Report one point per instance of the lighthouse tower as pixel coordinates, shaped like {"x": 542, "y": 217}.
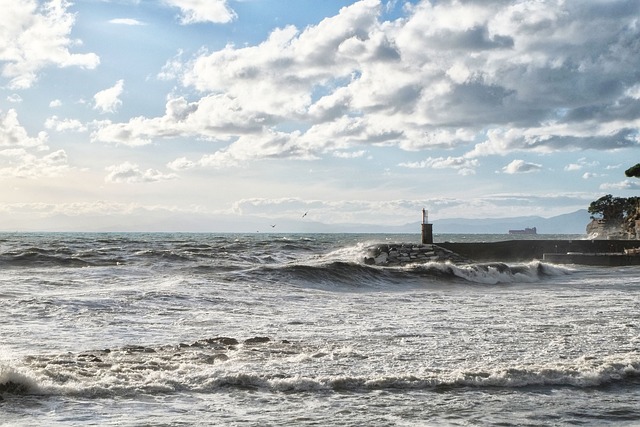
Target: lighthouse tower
{"x": 427, "y": 229}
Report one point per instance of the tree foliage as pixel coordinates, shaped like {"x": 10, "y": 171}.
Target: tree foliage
{"x": 614, "y": 210}
{"x": 618, "y": 212}
{"x": 633, "y": 171}
{"x": 608, "y": 208}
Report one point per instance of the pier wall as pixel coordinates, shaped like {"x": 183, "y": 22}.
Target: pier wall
{"x": 608, "y": 260}
{"x": 526, "y": 250}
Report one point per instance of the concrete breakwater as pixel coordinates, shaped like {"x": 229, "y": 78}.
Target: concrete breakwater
{"x": 527, "y": 250}
{"x": 396, "y": 254}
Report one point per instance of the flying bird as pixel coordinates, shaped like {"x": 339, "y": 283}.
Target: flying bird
{"x": 273, "y": 226}
{"x": 305, "y": 214}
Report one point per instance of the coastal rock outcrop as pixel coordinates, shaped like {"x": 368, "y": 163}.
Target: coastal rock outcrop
{"x": 397, "y": 254}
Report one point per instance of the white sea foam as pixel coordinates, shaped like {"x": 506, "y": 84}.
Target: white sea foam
{"x": 353, "y": 253}
{"x": 494, "y": 273}
{"x": 14, "y": 381}
{"x": 270, "y": 368}
{"x": 437, "y": 342}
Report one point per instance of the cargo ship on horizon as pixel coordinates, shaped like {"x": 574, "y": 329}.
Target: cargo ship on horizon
{"x": 527, "y": 230}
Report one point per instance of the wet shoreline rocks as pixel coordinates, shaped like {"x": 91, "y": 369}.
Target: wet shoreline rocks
{"x": 397, "y": 254}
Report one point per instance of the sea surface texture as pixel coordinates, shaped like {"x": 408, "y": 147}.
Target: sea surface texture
{"x": 295, "y": 330}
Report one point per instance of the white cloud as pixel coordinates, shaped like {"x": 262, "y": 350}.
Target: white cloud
{"x": 279, "y": 74}
{"x": 350, "y": 155}
{"x": 633, "y": 92}
{"x": 136, "y": 216}
{"x": 463, "y": 165}
{"x": 21, "y": 155}
{"x": 393, "y": 212}
{"x": 270, "y": 145}
{"x": 215, "y": 117}
{"x": 622, "y": 185}
{"x": 64, "y": 125}
{"x": 401, "y": 211}
{"x": 552, "y": 137}
{"x": 12, "y": 134}
{"x": 520, "y": 166}
{"x": 20, "y": 163}
{"x": 35, "y": 35}
{"x": 493, "y": 77}
{"x": 55, "y": 103}
{"x": 100, "y": 215}
{"x": 580, "y": 164}
{"x": 194, "y": 11}
{"x": 14, "y": 98}
{"x": 590, "y": 175}
{"x": 130, "y": 173}
{"x": 436, "y": 138}
{"x": 90, "y": 209}
{"x": 108, "y": 100}
{"x": 173, "y": 68}
{"x": 181, "y": 164}
{"x": 126, "y": 21}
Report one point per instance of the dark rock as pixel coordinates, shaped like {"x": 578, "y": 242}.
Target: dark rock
{"x": 140, "y": 349}
{"x": 13, "y": 388}
{"x": 257, "y": 340}
{"x": 216, "y": 358}
{"x": 226, "y": 340}
{"x": 213, "y": 342}
{"x": 397, "y": 254}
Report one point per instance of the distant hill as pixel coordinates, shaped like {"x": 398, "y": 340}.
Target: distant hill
{"x": 149, "y": 221}
{"x": 571, "y": 223}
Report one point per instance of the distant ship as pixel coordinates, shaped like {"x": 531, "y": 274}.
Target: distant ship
{"x": 525, "y": 231}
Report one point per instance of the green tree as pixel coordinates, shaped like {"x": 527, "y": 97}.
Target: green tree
{"x": 633, "y": 171}
{"x": 631, "y": 206}
{"x": 608, "y": 208}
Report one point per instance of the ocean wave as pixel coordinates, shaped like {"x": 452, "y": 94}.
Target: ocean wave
{"x": 214, "y": 365}
{"x": 159, "y": 252}
{"x": 261, "y": 363}
{"x": 305, "y": 262}
{"x": 14, "y": 382}
{"x": 346, "y": 267}
{"x": 30, "y": 257}
{"x": 60, "y": 257}
{"x": 343, "y": 274}
{"x": 509, "y": 378}
{"x": 496, "y": 273}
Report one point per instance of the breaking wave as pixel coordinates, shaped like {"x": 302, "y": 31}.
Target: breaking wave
{"x": 358, "y": 275}
{"x": 219, "y": 364}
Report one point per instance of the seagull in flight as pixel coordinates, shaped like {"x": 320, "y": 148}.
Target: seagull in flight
{"x": 305, "y": 214}
{"x": 273, "y": 226}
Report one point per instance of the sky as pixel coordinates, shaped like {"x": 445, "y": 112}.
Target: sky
{"x": 243, "y": 115}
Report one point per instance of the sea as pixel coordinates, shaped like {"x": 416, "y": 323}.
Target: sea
{"x": 163, "y": 329}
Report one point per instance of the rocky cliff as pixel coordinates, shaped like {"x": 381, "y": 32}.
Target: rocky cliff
{"x": 629, "y": 228}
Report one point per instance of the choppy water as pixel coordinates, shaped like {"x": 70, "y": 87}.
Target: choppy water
{"x": 196, "y": 329}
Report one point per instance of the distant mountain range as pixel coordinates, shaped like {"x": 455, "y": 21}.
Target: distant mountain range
{"x": 571, "y": 223}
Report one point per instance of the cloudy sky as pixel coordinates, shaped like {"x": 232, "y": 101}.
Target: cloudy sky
{"x": 235, "y": 115}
